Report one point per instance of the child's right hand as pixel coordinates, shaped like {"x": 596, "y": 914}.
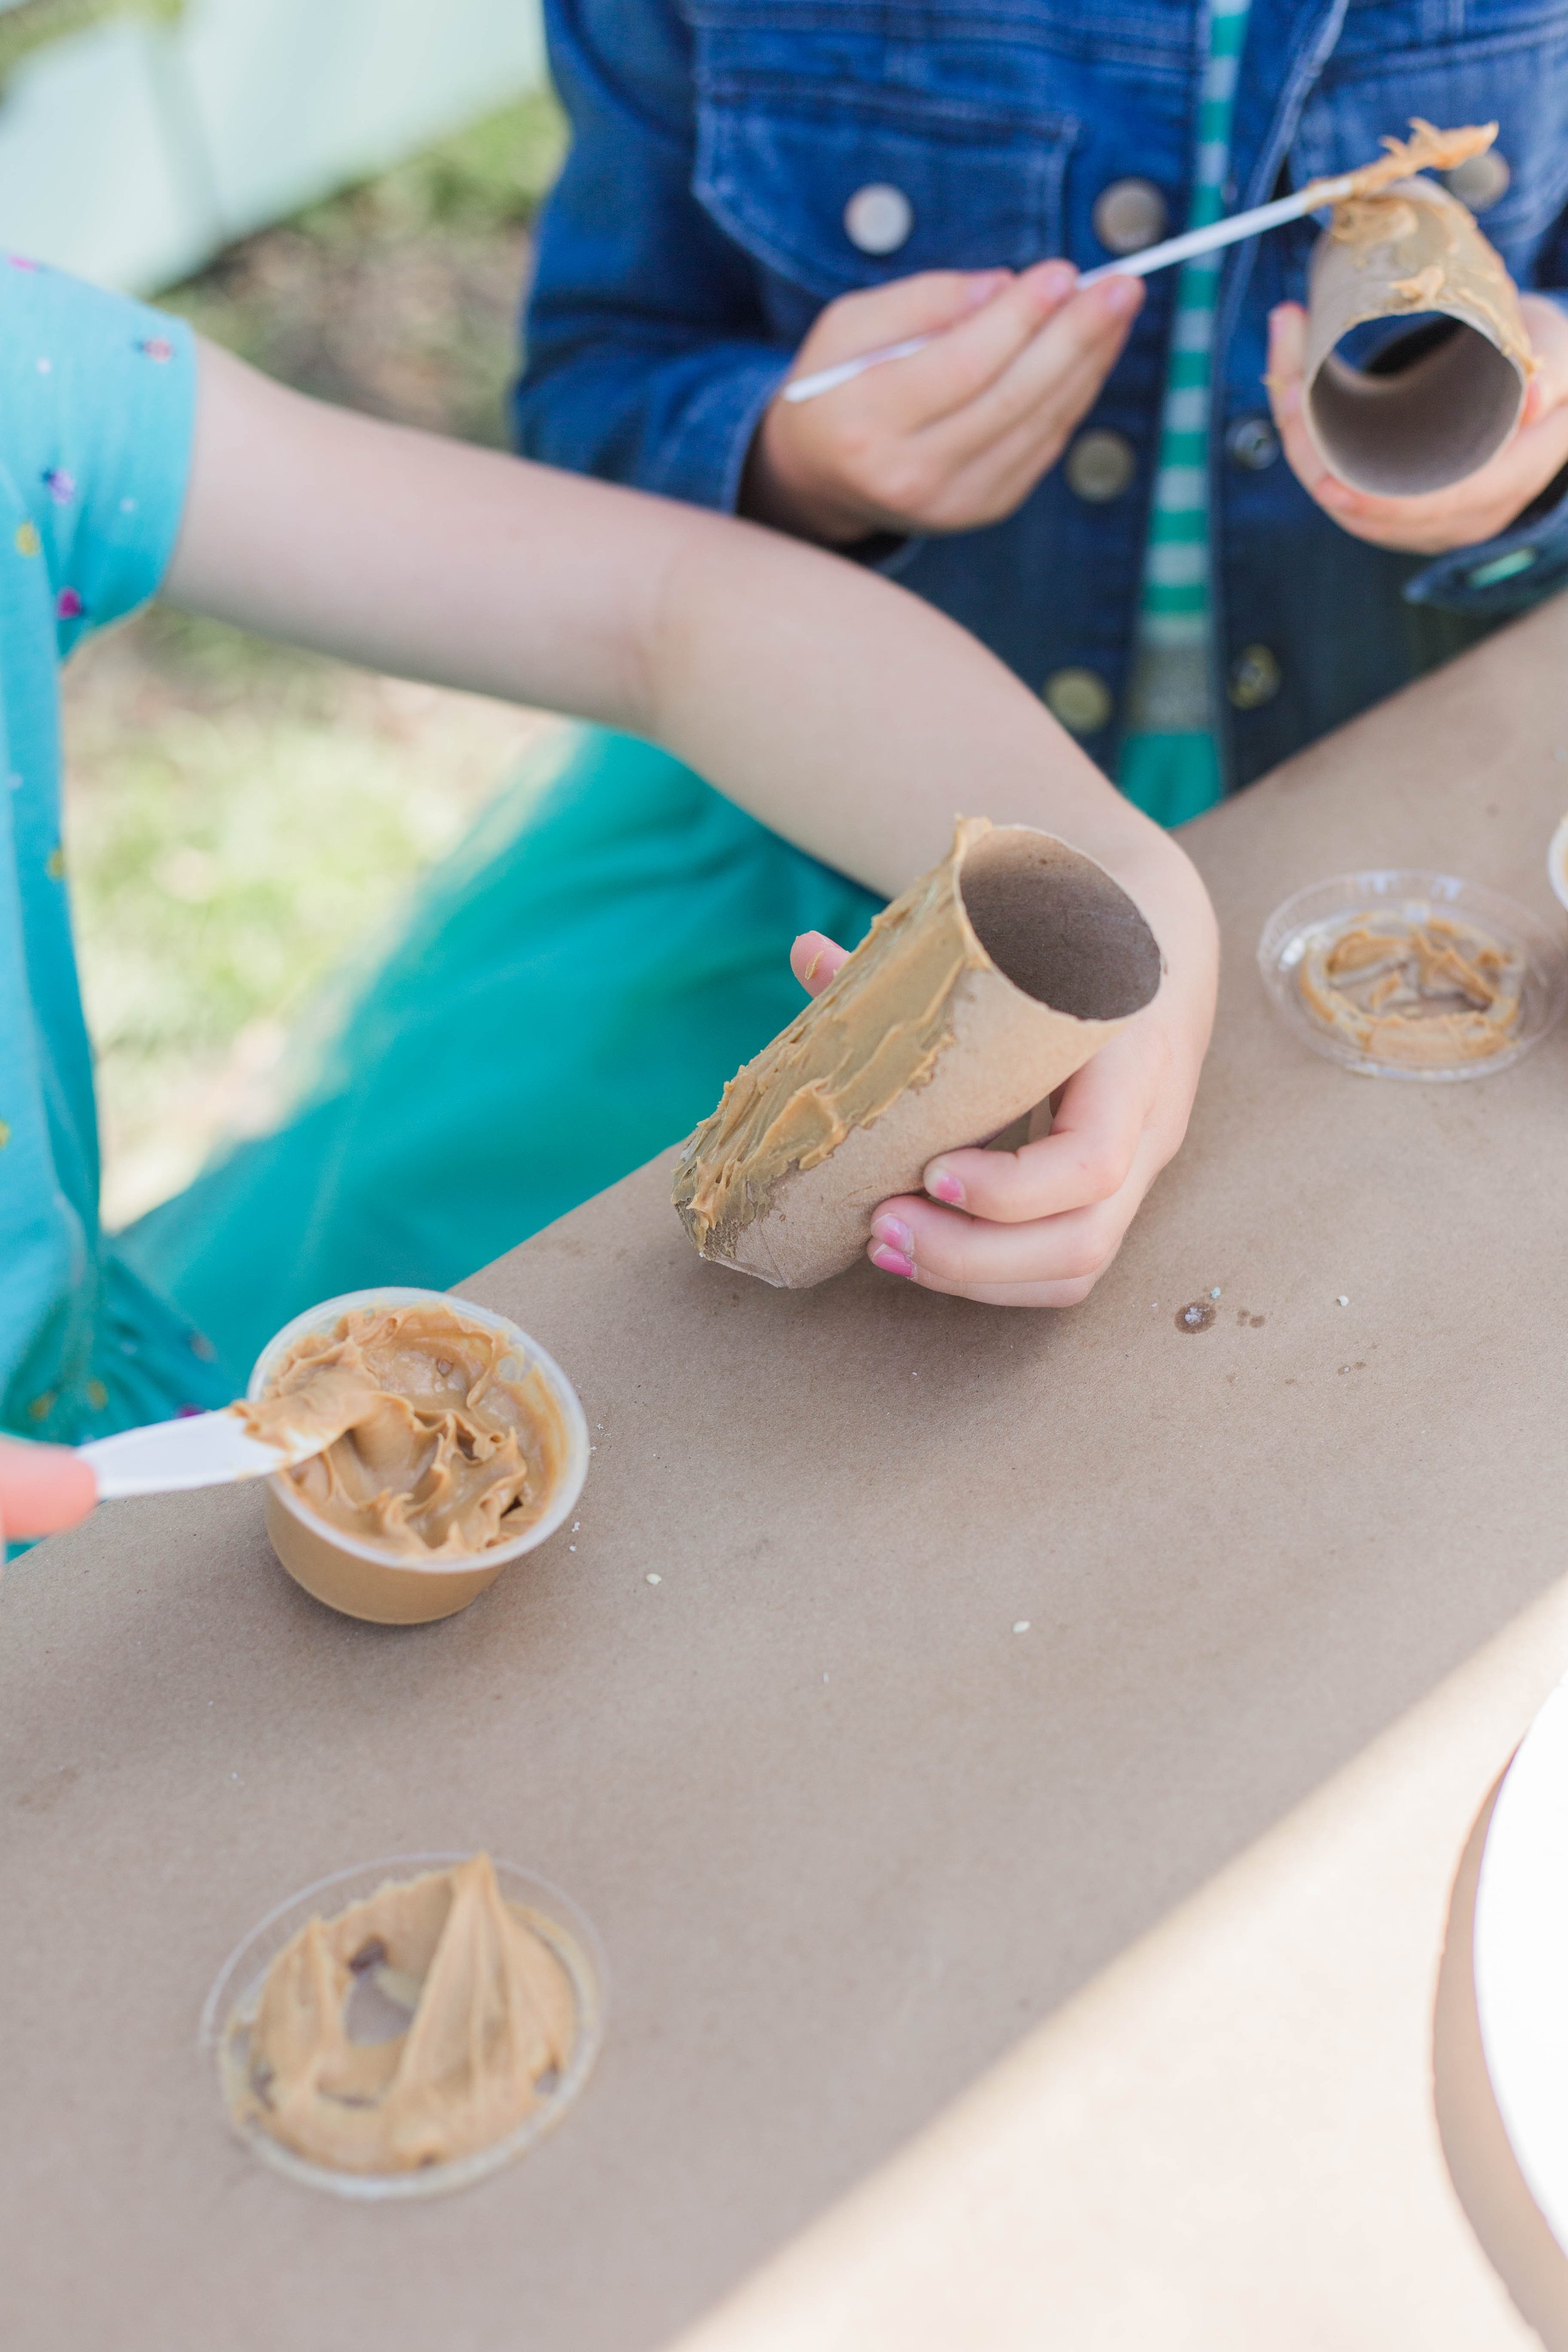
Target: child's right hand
{"x": 1038, "y": 1226}
{"x": 42, "y": 1489}
{"x": 956, "y": 435}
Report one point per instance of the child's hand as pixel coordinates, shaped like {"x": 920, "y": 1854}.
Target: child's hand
{"x": 1039, "y": 1226}
{"x": 1472, "y": 511}
{"x": 42, "y": 1489}
{"x": 956, "y": 436}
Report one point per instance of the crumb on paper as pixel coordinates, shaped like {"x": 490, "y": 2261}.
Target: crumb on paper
{"x": 1215, "y": 1293}
{"x": 653, "y": 1577}
{"x": 1022, "y": 1626}
{"x": 1343, "y": 1300}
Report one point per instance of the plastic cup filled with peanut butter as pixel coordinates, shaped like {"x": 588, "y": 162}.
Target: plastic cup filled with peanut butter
{"x": 461, "y": 1445}
{"x": 406, "y": 2026}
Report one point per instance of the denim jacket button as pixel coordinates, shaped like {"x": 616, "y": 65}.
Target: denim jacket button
{"x": 1252, "y": 443}
{"x": 1100, "y": 465}
{"x": 1255, "y": 678}
{"x": 1079, "y": 698}
{"x": 879, "y": 217}
{"x": 1481, "y": 181}
{"x": 1130, "y": 215}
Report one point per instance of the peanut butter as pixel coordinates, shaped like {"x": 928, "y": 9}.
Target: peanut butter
{"x": 432, "y": 1454}
{"x": 492, "y": 2015}
{"x": 1448, "y": 264}
{"x": 876, "y": 1031}
{"x": 1427, "y": 149}
{"x": 1424, "y": 995}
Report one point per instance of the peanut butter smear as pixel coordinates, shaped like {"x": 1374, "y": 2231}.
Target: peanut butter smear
{"x": 492, "y": 2013}
{"x": 877, "y": 1029}
{"x": 1425, "y": 996}
{"x": 1449, "y": 264}
{"x": 432, "y": 1454}
{"x": 1427, "y": 149}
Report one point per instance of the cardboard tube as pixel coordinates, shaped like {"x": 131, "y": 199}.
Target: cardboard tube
{"x": 972, "y": 996}
{"x": 1410, "y": 251}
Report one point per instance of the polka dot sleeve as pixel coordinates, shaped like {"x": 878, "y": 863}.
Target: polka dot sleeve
{"x": 99, "y": 396}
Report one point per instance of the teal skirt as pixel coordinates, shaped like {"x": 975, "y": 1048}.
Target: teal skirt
{"x": 572, "y": 987}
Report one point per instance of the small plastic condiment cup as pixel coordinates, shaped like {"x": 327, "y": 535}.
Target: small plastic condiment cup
{"x": 231, "y": 2008}
{"x": 1325, "y": 907}
{"x": 371, "y": 1580}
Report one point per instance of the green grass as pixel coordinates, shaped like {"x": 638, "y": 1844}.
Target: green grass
{"x": 244, "y": 821}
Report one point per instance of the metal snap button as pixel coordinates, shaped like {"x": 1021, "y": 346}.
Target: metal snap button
{"x": 1256, "y": 678}
{"x": 1130, "y": 215}
{"x": 1100, "y": 465}
{"x": 879, "y": 217}
{"x": 1079, "y": 698}
{"x": 1252, "y": 443}
{"x": 1479, "y": 182}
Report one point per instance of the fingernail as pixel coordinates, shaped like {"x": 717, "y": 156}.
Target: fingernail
{"x": 892, "y": 1261}
{"x": 943, "y": 1185}
{"x": 985, "y": 284}
{"x": 886, "y": 1227}
{"x": 1120, "y": 296}
{"x": 1055, "y": 278}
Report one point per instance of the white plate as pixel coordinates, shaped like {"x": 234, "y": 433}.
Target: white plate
{"x": 1521, "y": 1958}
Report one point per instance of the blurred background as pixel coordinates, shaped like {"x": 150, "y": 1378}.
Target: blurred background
{"x": 341, "y": 191}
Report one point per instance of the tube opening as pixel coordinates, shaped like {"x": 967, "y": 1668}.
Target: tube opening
{"x": 1423, "y": 412}
{"x": 1058, "y": 927}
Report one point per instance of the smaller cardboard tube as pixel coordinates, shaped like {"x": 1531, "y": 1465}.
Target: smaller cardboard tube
{"x": 1404, "y": 431}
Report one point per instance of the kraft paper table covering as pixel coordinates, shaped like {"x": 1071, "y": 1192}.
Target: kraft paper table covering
{"x": 1165, "y": 1876}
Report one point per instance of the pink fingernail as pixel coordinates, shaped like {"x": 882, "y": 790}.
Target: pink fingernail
{"x": 1120, "y": 296}
{"x": 892, "y": 1261}
{"x": 943, "y": 1185}
{"x": 886, "y": 1227}
{"x": 985, "y": 284}
{"x": 1058, "y": 277}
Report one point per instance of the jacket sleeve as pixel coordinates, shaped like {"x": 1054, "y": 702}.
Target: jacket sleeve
{"x": 1521, "y": 567}
{"x": 648, "y": 360}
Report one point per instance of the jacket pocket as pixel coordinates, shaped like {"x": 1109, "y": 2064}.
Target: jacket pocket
{"x": 1508, "y": 63}
{"x": 779, "y": 158}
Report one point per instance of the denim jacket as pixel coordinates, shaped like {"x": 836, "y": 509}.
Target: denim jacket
{"x": 699, "y": 225}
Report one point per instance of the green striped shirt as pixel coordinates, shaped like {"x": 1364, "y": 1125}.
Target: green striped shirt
{"x": 1170, "y": 758}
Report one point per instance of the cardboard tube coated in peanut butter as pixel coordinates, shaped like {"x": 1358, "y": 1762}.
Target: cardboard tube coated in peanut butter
{"x": 973, "y": 995}
{"x": 1409, "y": 251}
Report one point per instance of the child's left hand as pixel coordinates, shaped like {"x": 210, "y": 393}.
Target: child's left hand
{"x": 1039, "y": 1226}
{"x": 1468, "y": 513}
{"x": 42, "y": 1489}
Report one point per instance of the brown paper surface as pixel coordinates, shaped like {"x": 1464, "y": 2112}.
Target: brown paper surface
{"x": 854, "y": 1846}
{"x": 1412, "y": 251}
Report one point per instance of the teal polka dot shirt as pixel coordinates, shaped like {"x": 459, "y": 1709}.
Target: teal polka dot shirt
{"x": 97, "y": 399}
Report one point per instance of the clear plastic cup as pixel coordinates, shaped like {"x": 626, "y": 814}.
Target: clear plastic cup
{"x": 230, "y": 2012}
{"x": 1325, "y": 907}
{"x": 371, "y": 1580}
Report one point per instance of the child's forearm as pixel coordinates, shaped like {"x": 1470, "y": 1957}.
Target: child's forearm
{"x": 844, "y": 713}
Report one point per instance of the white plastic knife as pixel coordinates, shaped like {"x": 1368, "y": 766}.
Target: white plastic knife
{"x": 200, "y": 1449}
